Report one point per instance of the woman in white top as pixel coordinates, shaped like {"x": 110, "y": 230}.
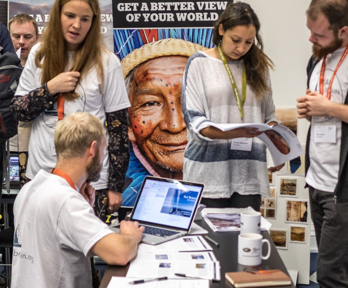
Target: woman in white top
{"x": 229, "y": 84}
{"x": 69, "y": 71}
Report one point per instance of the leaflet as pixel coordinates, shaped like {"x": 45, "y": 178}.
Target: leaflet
{"x": 282, "y": 143}
{"x": 182, "y": 244}
{"x": 193, "y": 264}
{"x": 123, "y": 282}
{"x": 228, "y": 219}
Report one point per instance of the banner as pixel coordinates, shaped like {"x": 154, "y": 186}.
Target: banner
{"x": 154, "y": 41}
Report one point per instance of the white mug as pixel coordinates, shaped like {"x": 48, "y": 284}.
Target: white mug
{"x": 250, "y": 249}
{"x": 250, "y": 222}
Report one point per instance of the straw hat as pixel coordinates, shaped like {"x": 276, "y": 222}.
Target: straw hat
{"x": 165, "y": 47}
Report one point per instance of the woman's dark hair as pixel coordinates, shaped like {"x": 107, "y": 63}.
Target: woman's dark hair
{"x": 256, "y": 62}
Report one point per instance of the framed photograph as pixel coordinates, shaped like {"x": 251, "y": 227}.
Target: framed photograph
{"x": 270, "y": 203}
{"x": 279, "y": 237}
{"x": 262, "y": 202}
{"x": 288, "y": 187}
{"x": 297, "y": 211}
{"x": 270, "y": 177}
{"x": 272, "y": 192}
{"x": 262, "y": 211}
{"x": 270, "y": 213}
{"x": 298, "y": 234}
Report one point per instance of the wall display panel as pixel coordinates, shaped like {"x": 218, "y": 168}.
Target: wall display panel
{"x": 164, "y": 34}
{"x": 40, "y": 10}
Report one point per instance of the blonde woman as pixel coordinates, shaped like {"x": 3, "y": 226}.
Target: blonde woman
{"x": 69, "y": 71}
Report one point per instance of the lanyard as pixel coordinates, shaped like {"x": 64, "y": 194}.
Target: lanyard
{"x": 60, "y": 107}
{"x": 322, "y": 74}
{"x": 65, "y": 176}
{"x": 240, "y": 103}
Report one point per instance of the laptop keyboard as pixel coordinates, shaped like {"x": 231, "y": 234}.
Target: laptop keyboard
{"x": 159, "y": 231}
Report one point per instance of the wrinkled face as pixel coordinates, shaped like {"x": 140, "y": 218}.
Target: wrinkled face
{"x": 278, "y": 141}
{"x": 76, "y": 18}
{"x": 23, "y": 36}
{"x": 95, "y": 166}
{"x": 157, "y": 123}
{"x": 236, "y": 42}
{"x": 325, "y": 40}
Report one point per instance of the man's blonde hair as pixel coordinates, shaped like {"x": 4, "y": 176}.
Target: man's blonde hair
{"x": 75, "y": 133}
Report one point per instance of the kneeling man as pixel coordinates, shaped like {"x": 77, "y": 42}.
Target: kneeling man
{"x": 56, "y": 230}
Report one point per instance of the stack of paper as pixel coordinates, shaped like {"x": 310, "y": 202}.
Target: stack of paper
{"x": 190, "y": 255}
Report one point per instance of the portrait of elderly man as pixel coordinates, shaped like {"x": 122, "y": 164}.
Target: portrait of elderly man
{"x": 157, "y": 131}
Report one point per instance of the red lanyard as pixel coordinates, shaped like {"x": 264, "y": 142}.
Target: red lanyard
{"x": 60, "y": 107}
{"x": 322, "y": 74}
{"x": 65, "y": 176}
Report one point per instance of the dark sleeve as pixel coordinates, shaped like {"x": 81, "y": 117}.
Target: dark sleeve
{"x": 28, "y": 107}
{"x": 117, "y": 126}
{"x": 310, "y": 66}
{"x": 5, "y": 40}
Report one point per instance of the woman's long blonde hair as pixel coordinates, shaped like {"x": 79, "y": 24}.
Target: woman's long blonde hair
{"x": 52, "y": 56}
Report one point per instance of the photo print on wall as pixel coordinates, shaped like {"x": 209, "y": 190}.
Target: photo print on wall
{"x": 279, "y": 237}
{"x": 288, "y": 187}
{"x": 296, "y": 211}
{"x": 298, "y": 234}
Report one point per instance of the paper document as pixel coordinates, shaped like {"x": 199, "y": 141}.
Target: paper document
{"x": 117, "y": 282}
{"x": 183, "y": 244}
{"x": 228, "y": 219}
{"x": 165, "y": 267}
{"x": 280, "y": 140}
{"x": 18, "y": 53}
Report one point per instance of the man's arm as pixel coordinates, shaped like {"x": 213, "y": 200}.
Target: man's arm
{"x": 118, "y": 155}
{"x": 119, "y": 249}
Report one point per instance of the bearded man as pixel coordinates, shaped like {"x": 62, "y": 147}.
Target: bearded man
{"x": 325, "y": 105}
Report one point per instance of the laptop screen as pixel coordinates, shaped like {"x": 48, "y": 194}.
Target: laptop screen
{"x": 167, "y": 202}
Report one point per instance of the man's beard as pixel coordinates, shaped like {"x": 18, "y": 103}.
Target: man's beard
{"x": 94, "y": 167}
{"x": 320, "y": 51}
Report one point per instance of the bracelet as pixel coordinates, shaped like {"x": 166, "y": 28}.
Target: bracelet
{"x": 46, "y": 89}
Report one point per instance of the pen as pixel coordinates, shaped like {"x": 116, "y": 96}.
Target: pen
{"x": 147, "y": 280}
{"x": 191, "y": 276}
{"x": 212, "y": 241}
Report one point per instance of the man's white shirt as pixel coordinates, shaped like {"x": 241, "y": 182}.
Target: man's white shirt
{"x": 55, "y": 228}
{"x": 326, "y": 132}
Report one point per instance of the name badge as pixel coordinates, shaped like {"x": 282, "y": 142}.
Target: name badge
{"x": 325, "y": 134}
{"x": 53, "y": 148}
{"x": 243, "y": 144}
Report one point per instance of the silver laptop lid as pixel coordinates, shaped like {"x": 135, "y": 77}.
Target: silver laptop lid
{"x": 167, "y": 203}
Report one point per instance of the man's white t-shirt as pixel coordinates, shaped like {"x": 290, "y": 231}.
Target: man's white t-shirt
{"x": 55, "y": 228}
{"x": 325, "y": 156}
{"x": 94, "y": 97}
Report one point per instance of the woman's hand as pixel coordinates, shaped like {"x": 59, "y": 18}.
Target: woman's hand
{"x": 276, "y": 168}
{"x": 64, "y": 82}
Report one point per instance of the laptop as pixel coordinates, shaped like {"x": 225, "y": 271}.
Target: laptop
{"x": 166, "y": 208}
